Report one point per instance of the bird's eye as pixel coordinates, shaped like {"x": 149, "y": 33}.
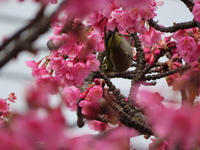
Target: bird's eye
{"x": 105, "y": 66}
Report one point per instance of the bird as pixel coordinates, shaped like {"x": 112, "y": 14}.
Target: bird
{"x": 118, "y": 51}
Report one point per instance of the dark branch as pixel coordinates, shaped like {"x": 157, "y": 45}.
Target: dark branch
{"x": 40, "y": 25}
{"x": 20, "y": 31}
{"x": 164, "y": 74}
{"x": 174, "y": 28}
{"x": 189, "y": 4}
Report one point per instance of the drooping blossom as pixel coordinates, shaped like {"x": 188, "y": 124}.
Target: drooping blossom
{"x": 188, "y": 49}
{"x": 32, "y": 64}
{"x": 4, "y": 107}
{"x": 71, "y": 96}
{"x": 91, "y": 102}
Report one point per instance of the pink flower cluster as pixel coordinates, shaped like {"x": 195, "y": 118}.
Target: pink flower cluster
{"x": 5, "y": 114}
{"x": 171, "y": 78}
{"x": 91, "y": 100}
{"x": 150, "y": 55}
{"x": 125, "y": 15}
{"x": 45, "y": 127}
{"x": 70, "y": 96}
{"x": 180, "y": 128}
{"x": 150, "y": 37}
{"x": 73, "y": 60}
{"x": 176, "y": 128}
{"x": 188, "y": 82}
{"x": 188, "y": 44}
{"x": 4, "y": 104}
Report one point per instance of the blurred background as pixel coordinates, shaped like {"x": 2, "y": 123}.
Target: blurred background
{"x": 15, "y": 75}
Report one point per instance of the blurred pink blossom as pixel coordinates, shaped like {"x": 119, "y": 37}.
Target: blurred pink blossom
{"x": 188, "y": 49}
{"x": 4, "y": 107}
{"x": 12, "y": 97}
{"x": 99, "y": 126}
{"x": 196, "y": 11}
{"x": 71, "y": 96}
{"x": 41, "y": 129}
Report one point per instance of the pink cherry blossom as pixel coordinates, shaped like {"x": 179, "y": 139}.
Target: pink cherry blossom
{"x": 71, "y": 96}
{"x": 81, "y": 141}
{"x": 179, "y": 34}
{"x": 11, "y": 140}
{"x": 57, "y": 63}
{"x": 39, "y": 72}
{"x": 94, "y": 94}
{"x": 80, "y": 9}
{"x": 99, "y": 126}
{"x": 4, "y": 107}
{"x": 91, "y": 103}
{"x": 108, "y": 141}
{"x": 150, "y": 55}
{"x": 149, "y": 100}
{"x": 92, "y": 62}
{"x": 96, "y": 40}
{"x": 39, "y": 128}
{"x": 128, "y": 4}
{"x": 132, "y": 19}
{"x": 58, "y": 40}
{"x": 89, "y": 110}
{"x": 112, "y": 140}
{"x": 188, "y": 49}
{"x": 37, "y": 97}
{"x": 180, "y": 128}
{"x": 12, "y": 97}
{"x": 81, "y": 71}
{"x": 196, "y": 11}
{"x": 150, "y": 37}
{"x": 69, "y": 49}
{"x": 162, "y": 146}
{"x": 48, "y": 82}
{"x": 32, "y": 64}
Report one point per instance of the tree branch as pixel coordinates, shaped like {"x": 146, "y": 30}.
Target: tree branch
{"x": 174, "y": 28}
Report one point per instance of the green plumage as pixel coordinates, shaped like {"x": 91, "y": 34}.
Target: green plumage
{"x": 119, "y": 55}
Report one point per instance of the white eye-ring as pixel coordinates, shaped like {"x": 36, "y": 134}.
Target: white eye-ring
{"x": 105, "y": 66}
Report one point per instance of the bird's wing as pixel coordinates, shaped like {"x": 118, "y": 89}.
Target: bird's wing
{"x": 126, "y": 48}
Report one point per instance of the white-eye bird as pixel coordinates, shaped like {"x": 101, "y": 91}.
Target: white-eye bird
{"x": 119, "y": 54}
